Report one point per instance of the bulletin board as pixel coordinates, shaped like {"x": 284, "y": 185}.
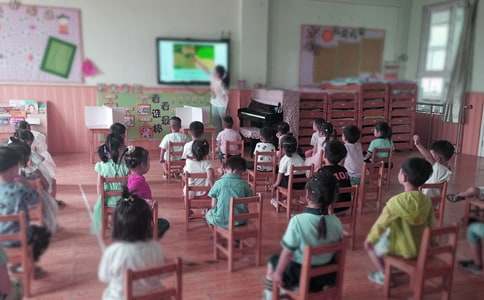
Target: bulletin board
{"x": 16, "y": 110}
{"x": 40, "y": 44}
{"x": 334, "y": 52}
{"x": 148, "y": 113}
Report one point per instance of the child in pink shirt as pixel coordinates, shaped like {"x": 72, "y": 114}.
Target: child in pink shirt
{"x": 138, "y": 162}
{"x": 228, "y": 134}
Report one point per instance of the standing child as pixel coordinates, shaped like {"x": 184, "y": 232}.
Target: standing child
{"x": 132, "y": 249}
{"x": 231, "y": 185}
{"x": 175, "y": 136}
{"x": 354, "y": 158}
{"x": 400, "y": 226}
{"x": 196, "y": 129}
{"x": 313, "y": 227}
{"x": 138, "y": 162}
{"x": 265, "y": 145}
{"x": 226, "y": 135}
{"x": 383, "y": 135}
{"x": 200, "y": 164}
{"x": 315, "y": 137}
{"x": 111, "y": 165}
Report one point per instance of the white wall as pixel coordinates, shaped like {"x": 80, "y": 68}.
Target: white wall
{"x": 287, "y": 16}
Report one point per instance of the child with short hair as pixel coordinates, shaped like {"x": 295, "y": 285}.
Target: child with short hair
{"x": 175, "y": 136}
{"x": 291, "y": 158}
{"x": 354, "y": 158}
{"x": 231, "y": 185}
{"x": 196, "y": 130}
{"x": 40, "y": 140}
{"x": 400, "y": 226}
{"x": 111, "y": 165}
{"x": 383, "y": 135}
{"x": 283, "y": 129}
{"x": 200, "y": 164}
{"x": 137, "y": 160}
{"x": 133, "y": 248}
{"x": 475, "y": 238}
{"x": 228, "y": 134}
{"x": 317, "y": 123}
{"x": 440, "y": 153}
{"x": 313, "y": 227}
{"x": 326, "y": 133}
{"x": 265, "y": 145}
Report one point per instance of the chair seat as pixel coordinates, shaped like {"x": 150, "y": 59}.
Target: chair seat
{"x": 240, "y": 232}
{"x": 434, "y": 267}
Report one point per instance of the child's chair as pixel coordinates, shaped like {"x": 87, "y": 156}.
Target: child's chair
{"x": 162, "y": 271}
{"x": 211, "y": 135}
{"x": 154, "y": 216}
{"x": 258, "y": 178}
{"x": 36, "y": 211}
{"x": 239, "y": 234}
{"x": 347, "y": 217}
{"x": 471, "y": 204}
{"x": 435, "y": 260}
{"x": 371, "y": 183}
{"x": 174, "y": 164}
{"x": 307, "y": 272}
{"x": 107, "y": 211}
{"x": 21, "y": 255}
{"x": 231, "y": 145}
{"x": 192, "y": 201}
{"x": 383, "y": 155}
{"x": 438, "y": 202}
{"x": 286, "y": 197}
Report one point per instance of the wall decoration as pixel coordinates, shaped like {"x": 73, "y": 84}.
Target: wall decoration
{"x": 25, "y": 34}
{"x": 58, "y": 57}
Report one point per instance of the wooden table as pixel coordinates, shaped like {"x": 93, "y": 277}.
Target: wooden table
{"x": 94, "y": 141}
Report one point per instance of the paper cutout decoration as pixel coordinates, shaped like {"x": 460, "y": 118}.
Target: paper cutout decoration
{"x": 144, "y": 109}
{"x": 158, "y": 128}
{"x": 146, "y": 132}
{"x": 89, "y": 69}
{"x": 63, "y": 22}
{"x": 129, "y": 120}
{"x": 58, "y": 57}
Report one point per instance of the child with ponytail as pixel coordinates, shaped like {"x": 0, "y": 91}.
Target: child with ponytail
{"x": 327, "y": 133}
{"x": 312, "y": 228}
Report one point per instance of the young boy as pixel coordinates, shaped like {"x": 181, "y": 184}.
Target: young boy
{"x": 231, "y": 185}
{"x": 175, "y": 137}
{"x": 354, "y": 157}
{"x": 196, "y": 129}
{"x": 439, "y": 155}
{"x": 399, "y": 228}
{"x": 228, "y": 134}
{"x": 475, "y": 238}
{"x": 267, "y": 135}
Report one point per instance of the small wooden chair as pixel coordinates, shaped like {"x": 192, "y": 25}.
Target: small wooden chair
{"x": 387, "y": 160}
{"x": 174, "y": 164}
{"x": 435, "y": 260}
{"x": 286, "y": 197}
{"x": 36, "y": 211}
{"x": 371, "y": 183}
{"x": 348, "y": 217}
{"x": 193, "y": 201}
{"x": 257, "y": 178}
{"x": 210, "y": 134}
{"x": 154, "y": 216}
{"x": 438, "y": 202}
{"x": 472, "y": 203}
{"x": 307, "y": 272}
{"x": 240, "y": 233}
{"x": 164, "y": 293}
{"x": 239, "y": 145}
{"x": 20, "y": 255}
{"x": 107, "y": 211}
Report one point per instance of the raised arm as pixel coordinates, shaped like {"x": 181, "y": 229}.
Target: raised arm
{"x": 201, "y": 65}
{"x": 424, "y": 151}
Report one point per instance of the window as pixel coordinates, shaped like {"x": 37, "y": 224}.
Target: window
{"x": 442, "y": 27}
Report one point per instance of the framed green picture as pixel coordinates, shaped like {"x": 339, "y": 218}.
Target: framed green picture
{"x": 58, "y": 57}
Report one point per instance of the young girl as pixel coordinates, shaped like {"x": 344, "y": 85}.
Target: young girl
{"x": 383, "y": 135}
{"x": 310, "y": 228}
{"x": 200, "y": 164}
{"x": 282, "y": 130}
{"x": 317, "y": 123}
{"x": 132, "y": 248}
{"x": 265, "y": 145}
{"x": 111, "y": 165}
{"x": 326, "y": 133}
{"x": 138, "y": 162}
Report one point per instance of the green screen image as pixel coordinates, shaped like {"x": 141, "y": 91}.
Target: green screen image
{"x": 186, "y": 55}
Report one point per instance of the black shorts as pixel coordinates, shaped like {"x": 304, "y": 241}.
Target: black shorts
{"x": 292, "y": 273}
{"x": 297, "y": 186}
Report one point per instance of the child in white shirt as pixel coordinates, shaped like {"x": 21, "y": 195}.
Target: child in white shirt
{"x": 196, "y": 131}
{"x": 283, "y": 129}
{"x": 315, "y": 137}
{"x": 175, "y": 137}
{"x": 132, "y": 248}
{"x": 200, "y": 164}
{"x": 354, "y": 159}
{"x": 291, "y": 158}
{"x": 326, "y": 134}
{"x": 228, "y": 134}
{"x": 265, "y": 145}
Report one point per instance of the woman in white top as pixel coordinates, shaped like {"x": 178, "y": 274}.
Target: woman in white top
{"x": 132, "y": 248}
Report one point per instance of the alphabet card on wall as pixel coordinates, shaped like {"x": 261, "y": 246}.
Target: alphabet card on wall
{"x": 40, "y": 44}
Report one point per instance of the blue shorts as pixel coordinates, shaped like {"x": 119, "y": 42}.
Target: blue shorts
{"x": 475, "y": 233}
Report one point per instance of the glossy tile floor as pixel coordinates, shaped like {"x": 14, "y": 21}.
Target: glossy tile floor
{"x": 72, "y": 259}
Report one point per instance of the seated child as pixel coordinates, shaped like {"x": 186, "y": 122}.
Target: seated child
{"x": 119, "y": 130}
{"x": 228, "y": 134}
{"x": 399, "y": 228}
{"x": 313, "y": 227}
{"x": 475, "y": 237}
{"x": 383, "y": 135}
{"x": 138, "y": 162}
{"x": 229, "y": 186}
{"x": 132, "y": 248}
{"x": 439, "y": 155}
{"x": 9, "y": 290}
{"x": 200, "y": 164}
{"x": 265, "y": 145}
{"x": 282, "y": 130}
{"x": 317, "y": 123}
{"x": 291, "y": 158}
{"x": 354, "y": 158}
{"x": 111, "y": 165}
{"x": 40, "y": 140}
{"x": 196, "y": 129}
{"x": 326, "y": 134}
{"x": 15, "y": 198}
{"x": 175, "y": 136}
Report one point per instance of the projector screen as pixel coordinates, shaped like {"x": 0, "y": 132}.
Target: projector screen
{"x": 190, "y": 61}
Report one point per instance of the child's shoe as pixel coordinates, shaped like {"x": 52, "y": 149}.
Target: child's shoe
{"x": 471, "y": 267}
{"x": 376, "y": 277}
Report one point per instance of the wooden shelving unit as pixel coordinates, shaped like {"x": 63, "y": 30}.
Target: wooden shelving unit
{"x": 312, "y": 105}
{"x": 401, "y": 113}
{"x": 342, "y": 109}
{"x": 373, "y": 108}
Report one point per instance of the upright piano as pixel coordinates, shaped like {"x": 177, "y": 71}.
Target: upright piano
{"x": 259, "y": 115}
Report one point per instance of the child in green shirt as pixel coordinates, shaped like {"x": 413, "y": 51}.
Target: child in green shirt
{"x": 399, "y": 228}
{"x": 383, "y": 135}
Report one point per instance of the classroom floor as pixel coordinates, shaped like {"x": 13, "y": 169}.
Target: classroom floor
{"x": 73, "y": 257}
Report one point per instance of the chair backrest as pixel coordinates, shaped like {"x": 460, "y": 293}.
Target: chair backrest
{"x": 251, "y": 213}
{"x": 175, "y": 150}
{"x": 265, "y": 164}
{"x": 338, "y": 266}
{"x": 372, "y": 174}
{"x": 234, "y": 147}
{"x": 195, "y": 188}
{"x": 21, "y": 235}
{"x": 307, "y": 171}
{"x": 377, "y": 157}
{"x": 165, "y": 293}
{"x": 438, "y": 202}
{"x": 122, "y": 181}
{"x": 349, "y": 216}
